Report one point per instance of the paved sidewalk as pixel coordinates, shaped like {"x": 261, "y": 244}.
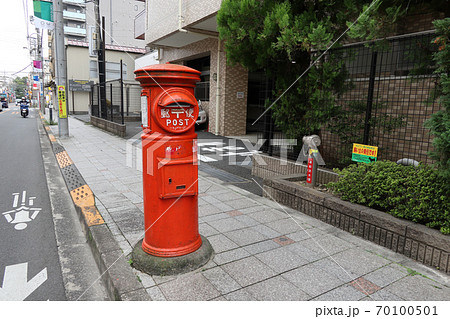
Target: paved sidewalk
{"x": 263, "y": 251}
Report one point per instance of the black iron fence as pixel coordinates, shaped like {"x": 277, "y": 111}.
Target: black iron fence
{"x": 122, "y": 100}
{"x": 389, "y": 100}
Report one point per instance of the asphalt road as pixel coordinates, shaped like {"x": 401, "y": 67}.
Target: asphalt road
{"x": 29, "y": 262}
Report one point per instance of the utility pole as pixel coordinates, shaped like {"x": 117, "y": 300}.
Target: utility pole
{"x": 100, "y": 58}
{"x": 61, "y": 64}
{"x": 40, "y": 58}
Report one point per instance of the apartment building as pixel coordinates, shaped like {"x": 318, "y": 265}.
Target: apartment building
{"x": 119, "y": 14}
{"x": 185, "y": 32}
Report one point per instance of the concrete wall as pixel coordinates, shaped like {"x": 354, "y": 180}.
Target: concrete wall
{"x": 162, "y": 15}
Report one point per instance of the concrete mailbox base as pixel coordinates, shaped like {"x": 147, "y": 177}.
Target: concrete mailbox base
{"x": 164, "y": 266}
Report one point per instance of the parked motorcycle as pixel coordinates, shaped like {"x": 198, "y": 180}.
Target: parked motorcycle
{"x": 24, "y": 109}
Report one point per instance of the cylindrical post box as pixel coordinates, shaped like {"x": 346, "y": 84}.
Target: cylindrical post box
{"x": 169, "y": 150}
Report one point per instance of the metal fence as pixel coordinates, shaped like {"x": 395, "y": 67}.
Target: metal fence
{"x": 386, "y": 106}
{"x": 122, "y": 101}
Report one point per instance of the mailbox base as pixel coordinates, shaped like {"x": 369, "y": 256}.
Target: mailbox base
{"x": 164, "y": 266}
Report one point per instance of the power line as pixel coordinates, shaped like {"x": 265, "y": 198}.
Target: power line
{"x": 22, "y": 69}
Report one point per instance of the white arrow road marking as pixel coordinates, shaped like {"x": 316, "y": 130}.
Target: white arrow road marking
{"x": 15, "y": 285}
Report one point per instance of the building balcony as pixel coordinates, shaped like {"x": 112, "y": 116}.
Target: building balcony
{"x": 75, "y": 2}
{"x": 139, "y": 25}
{"x": 77, "y": 16}
{"x": 75, "y": 31}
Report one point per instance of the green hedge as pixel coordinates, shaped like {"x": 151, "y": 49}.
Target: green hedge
{"x": 418, "y": 193}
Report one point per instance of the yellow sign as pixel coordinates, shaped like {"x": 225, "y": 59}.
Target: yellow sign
{"x": 62, "y": 102}
{"x": 364, "y": 153}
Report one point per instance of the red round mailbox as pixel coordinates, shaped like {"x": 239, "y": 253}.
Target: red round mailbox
{"x": 169, "y": 150}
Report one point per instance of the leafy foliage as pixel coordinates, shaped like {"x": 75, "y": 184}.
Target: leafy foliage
{"x": 415, "y": 193}
{"x": 19, "y": 86}
{"x": 439, "y": 123}
{"x": 348, "y": 125}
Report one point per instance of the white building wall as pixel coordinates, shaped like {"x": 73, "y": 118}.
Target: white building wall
{"x": 119, "y": 20}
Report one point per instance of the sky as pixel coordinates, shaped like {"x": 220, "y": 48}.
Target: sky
{"x": 13, "y": 36}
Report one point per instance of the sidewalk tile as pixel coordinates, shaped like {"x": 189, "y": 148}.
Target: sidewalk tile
{"x": 276, "y": 289}
{"x": 312, "y": 280}
{"x": 306, "y": 253}
{"x": 342, "y": 293}
{"x": 330, "y": 266}
{"x": 419, "y": 288}
{"x": 365, "y": 286}
{"x": 245, "y": 236}
{"x": 267, "y": 216}
{"x": 283, "y": 240}
{"x": 223, "y": 207}
{"x": 210, "y": 218}
{"x": 241, "y": 203}
{"x": 227, "y": 196}
{"x": 284, "y": 226}
{"x": 246, "y": 220}
{"x": 281, "y": 259}
{"x": 206, "y": 210}
{"x": 132, "y": 225}
{"x": 328, "y": 243}
{"x": 266, "y": 231}
{"x": 221, "y": 280}
{"x": 261, "y": 247}
{"x": 220, "y": 243}
{"x": 206, "y": 230}
{"x": 156, "y": 294}
{"x": 248, "y": 271}
{"x": 359, "y": 261}
{"x": 146, "y": 280}
{"x": 189, "y": 287}
{"x": 226, "y": 224}
{"x": 122, "y": 213}
{"x": 382, "y": 295}
{"x": 230, "y": 255}
{"x": 385, "y": 276}
{"x": 240, "y": 295}
{"x": 306, "y": 234}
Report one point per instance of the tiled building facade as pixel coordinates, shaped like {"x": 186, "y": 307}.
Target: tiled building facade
{"x": 227, "y": 103}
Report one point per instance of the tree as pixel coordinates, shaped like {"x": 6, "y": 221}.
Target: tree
{"x": 20, "y": 86}
{"x": 439, "y": 123}
{"x": 285, "y": 37}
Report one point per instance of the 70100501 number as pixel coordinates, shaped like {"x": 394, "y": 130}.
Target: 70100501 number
{"x": 407, "y": 310}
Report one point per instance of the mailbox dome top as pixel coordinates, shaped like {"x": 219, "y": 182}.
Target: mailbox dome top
{"x": 164, "y": 73}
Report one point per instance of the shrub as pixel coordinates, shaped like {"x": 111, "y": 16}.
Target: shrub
{"x": 418, "y": 194}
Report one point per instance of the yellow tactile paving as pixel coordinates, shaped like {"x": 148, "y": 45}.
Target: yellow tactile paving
{"x": 47, "y": 128}
{"x": 84, "y": 198}
{"x": 63, "y": 159}
{"x": 52, "y": 137}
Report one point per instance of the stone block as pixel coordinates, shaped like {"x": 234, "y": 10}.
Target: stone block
{"x": 428, "y": 236}
{"x": 343, "y": 207}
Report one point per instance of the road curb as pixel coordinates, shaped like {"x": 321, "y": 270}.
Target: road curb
{"x": 119, "y": 280}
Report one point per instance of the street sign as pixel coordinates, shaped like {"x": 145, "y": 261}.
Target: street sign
{"x": 80, "y": 85}
{"x": 62, "y": 102}
{"x": 364, "y": 153}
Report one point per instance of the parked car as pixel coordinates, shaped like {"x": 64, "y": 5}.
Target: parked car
{"x": 4, "y": 104}
{"x": 202, "y": 117}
